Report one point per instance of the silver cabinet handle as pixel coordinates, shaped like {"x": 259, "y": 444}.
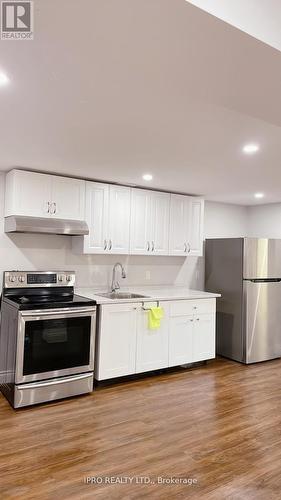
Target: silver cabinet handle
{"x": 148, "y": 246}
{"x": 152, "y": 246}
{"x": 105, "y": 245}
{"x": 110, "y": 245}
{"x": 189, "y": 247}
{"x": 53, "y": 208}
{"x": 185, "y": 247}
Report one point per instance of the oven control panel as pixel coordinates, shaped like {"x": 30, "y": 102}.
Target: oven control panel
{"x": 26, "y": 279}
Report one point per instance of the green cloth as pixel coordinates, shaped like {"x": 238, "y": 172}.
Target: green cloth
{"x": 155, "y": 315}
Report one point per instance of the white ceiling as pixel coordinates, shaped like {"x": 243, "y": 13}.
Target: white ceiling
{"x": 258, "y": 18}
{"x": 113, "y": 89}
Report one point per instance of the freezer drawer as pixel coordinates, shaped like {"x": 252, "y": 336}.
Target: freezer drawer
{"x": 261, "y": 320}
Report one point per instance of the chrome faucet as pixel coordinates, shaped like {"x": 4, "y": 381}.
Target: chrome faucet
{"x": 114, "y": 284}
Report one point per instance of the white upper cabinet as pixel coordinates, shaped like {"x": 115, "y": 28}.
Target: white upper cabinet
{"x": 126, "y": 221}
{"x": 68, "y": 198}
{"x": 28, "y": 193}
{"x": 96, "y": 217}
{"x": 186, "y": 225}
{"x": 108, "y": 218}
{"x": 42, "y": 195}
{"x": 149, "y": 222}
{"x": 196, "y": 226}
{"x": 179, "y": 220}
{"x": 141, "y": 214}
{"x": 160, "y": 204}
{"x": 119, "y": 219}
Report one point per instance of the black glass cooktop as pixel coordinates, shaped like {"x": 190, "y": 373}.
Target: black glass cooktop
{"x": 27, "y": 299}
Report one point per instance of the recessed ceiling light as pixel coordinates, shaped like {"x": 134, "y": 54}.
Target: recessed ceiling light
{"x": 259, "y": 195}
{"x": 3, "y": 79}
{"x": 250, "y": 148}
{"x": 147, "y": 177}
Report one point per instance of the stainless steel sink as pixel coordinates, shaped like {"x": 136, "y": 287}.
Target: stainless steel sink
{"x": 122, "y": 295}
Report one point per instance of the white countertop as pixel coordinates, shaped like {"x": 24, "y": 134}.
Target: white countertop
{"x": 152, "y": 294}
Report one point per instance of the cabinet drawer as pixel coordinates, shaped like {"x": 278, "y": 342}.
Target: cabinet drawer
{"x": 187, "y": 307}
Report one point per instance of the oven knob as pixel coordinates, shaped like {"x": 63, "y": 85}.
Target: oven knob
{"x": 68, "y": 278}
{"x": 21, "y": 279}
{"x": 60, "y": 278}
{"x": 12, "y": 279}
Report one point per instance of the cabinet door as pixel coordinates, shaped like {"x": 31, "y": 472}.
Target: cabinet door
{"x": 204, "y": 337}
{"x": 119, "y": 219}
{"x": 179, "y": 225}
{"x": 140, "y": 230}
{"x": 196, "y": 223}
{"x": 28, "y": 193}
{"x": 97, "y": 218}
{"x": 68, "y": 198}
{"x": 116, "y": 349}
{"x": 160, "y": 215}
{"x": 181, "y": 340}
{"x": 152, "y": 345}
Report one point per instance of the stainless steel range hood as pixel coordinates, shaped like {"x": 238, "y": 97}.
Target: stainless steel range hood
{"x": 25, "y": 224}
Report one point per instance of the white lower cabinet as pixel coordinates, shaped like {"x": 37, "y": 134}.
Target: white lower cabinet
{"x": 126, "y": 345}
{"x": 204, "y": 337}
{"x": 116, "y": 347}
{"x": 181, "y": 340}
{"x": 152, "y": 345}
{"x": 192, "y": 331}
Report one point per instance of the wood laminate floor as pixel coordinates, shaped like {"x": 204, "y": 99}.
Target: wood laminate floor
{"x": 219, "y": 424}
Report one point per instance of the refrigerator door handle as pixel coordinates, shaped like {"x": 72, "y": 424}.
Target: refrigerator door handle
{"x": 264, "y": 280}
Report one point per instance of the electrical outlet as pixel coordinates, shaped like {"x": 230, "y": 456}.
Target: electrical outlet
{"x": 147, "y": 275}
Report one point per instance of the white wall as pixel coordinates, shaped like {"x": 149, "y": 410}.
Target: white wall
{"x": 225, "y": 220}
{"x": 264, "y": 221}
{"x": 31, "y": 252}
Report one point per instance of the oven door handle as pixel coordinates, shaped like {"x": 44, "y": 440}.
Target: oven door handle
{"x": 58, "y": 312}
{"x": 64, "y": 380}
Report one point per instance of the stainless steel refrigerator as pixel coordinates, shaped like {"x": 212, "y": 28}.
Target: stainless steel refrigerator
{"x": 247, "y": 272}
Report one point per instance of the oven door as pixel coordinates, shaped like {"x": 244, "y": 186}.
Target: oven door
{"x": 55, "y": 343}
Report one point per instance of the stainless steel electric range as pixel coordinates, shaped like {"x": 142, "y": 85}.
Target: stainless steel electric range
{"x": 47, "y": 338}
